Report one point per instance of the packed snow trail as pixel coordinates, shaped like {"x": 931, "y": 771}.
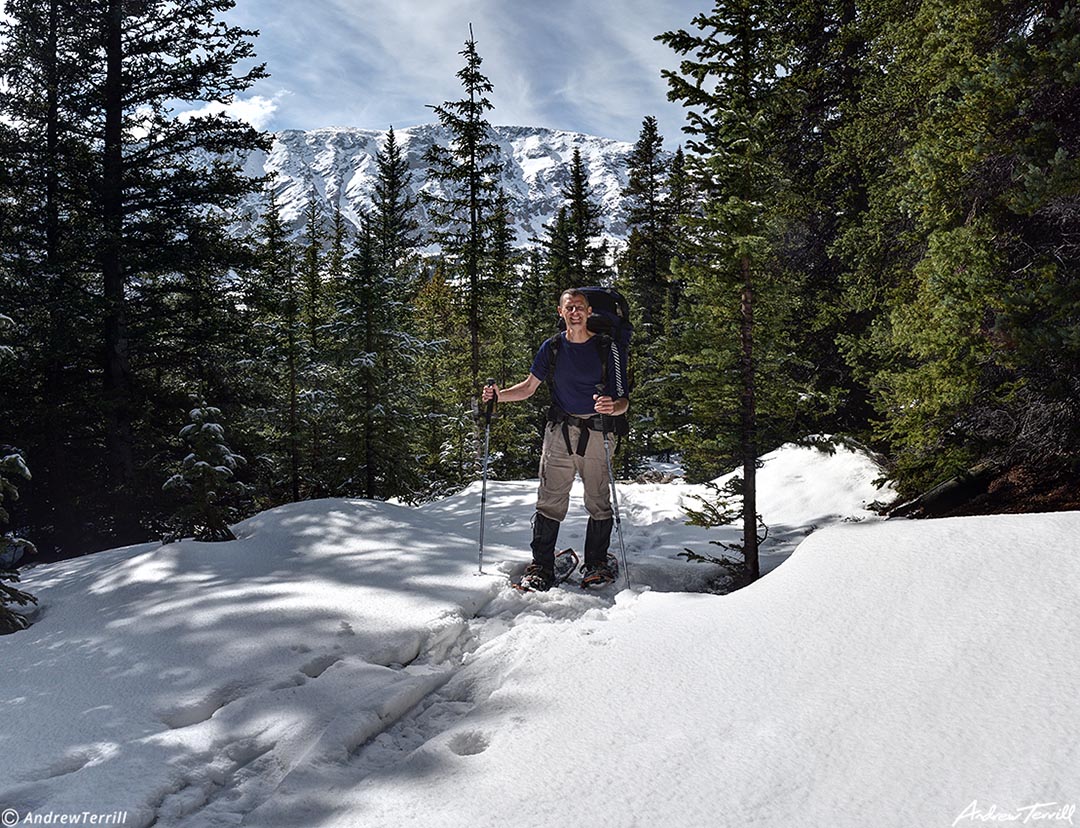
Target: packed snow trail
{"x": 461, "y": 689}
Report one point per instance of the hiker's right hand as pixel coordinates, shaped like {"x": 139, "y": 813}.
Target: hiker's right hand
{"x": 490, "y": 391}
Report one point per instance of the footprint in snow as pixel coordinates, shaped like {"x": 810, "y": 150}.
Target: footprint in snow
{"x": 469, "y": 743}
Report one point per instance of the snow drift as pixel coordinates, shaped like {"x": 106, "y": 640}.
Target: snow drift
{"x": 342, "y": 664}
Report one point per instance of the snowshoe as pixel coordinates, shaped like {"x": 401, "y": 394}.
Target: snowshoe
{"x": 537, "y": 579}
{"x": 595, "y": 577}
{"x": 566, "y": 564}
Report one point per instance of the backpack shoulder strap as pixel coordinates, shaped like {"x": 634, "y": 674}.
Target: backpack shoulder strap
{"x": 554, "y": 343}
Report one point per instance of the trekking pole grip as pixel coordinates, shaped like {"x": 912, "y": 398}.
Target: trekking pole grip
{"x": 605, "y": 421}
{"x": 490, "y": 403}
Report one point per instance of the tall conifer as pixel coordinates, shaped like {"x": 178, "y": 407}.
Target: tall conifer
{"x": 462, "y": 206}
{"x": 725, "y": 79}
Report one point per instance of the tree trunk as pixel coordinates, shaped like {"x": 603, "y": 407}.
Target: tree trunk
{"x": 55, "y": 478}
{"x": 749, "y": 427}
{"x": 119, "y": 395}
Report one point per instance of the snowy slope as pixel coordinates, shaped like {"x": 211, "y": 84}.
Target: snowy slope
{"x": 339, "y": 165}
{"x": 342, "y": 664}
{"x": 886, "y": 675}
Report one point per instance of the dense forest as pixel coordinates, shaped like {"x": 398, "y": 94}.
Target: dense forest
{"x": 871, "y": 231}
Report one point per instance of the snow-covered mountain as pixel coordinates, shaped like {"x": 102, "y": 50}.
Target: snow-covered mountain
{"x": 339, "y": 164}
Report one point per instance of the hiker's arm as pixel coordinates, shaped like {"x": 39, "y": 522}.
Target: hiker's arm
{"x": 610, "y": 407}
{"x": 515, "y": 393}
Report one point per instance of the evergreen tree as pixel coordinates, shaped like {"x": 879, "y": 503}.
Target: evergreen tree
{"x": 378, "y": 354}
{"x": 645, "y": 271}
{"x": 647, "y": 259}
{"x": 46, "y": 259}
{"x": 315, "y": 397}
{"x": 130, "y": 193}
{"x": 446, "y": 434}
{"x": 374, "y": 333}
{"x": 272, "y": 301}
{"x": 394, "y": 208}
{"x": 558, "y": 258}
{"x": 11, "y": 547}
{"x": 462, "y": 206}
{"x": 206, "y": 480}
{"x": 979, "y": 362}
{"x": 314, "y": 300}
{"x": 725, "y": 80}
{"x": 157, "y": 191}
{"x": 587, "y": 254}
{"x": 827, "y": 63}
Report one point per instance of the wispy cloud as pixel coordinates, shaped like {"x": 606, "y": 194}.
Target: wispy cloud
{"x": 585, "y": 65}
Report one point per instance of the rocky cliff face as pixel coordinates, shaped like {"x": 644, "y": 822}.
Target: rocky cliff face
{"x": 339, "y": 164}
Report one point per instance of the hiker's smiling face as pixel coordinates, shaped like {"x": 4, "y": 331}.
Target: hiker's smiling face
{"x": 574, "y": 310}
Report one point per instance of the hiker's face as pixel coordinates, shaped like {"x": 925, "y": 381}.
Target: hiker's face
{"x": 574, "y": 310}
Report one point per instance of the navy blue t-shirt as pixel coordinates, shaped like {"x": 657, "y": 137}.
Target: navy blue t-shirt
{"x": 578, "y": 372}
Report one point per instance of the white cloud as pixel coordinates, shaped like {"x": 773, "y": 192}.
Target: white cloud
{"x": 584, "y": 65}
{"x": 258, "y": 110}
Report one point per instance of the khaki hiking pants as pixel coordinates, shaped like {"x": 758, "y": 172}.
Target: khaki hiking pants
{"x": 557, "y": 470}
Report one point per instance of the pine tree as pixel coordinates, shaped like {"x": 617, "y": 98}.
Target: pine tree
{"x": 586, "y": 252}
{"x": 206, "y": 480}
{"x": 11, "y": 465}
{"x": 978, "y": 362}
{"x": 445, "y": 433}
{"x": 647, "y": 259}
{"x": 272, "y": 298}
{"x": 394, "y": 208}
{"x": 316, "y": 402}
{"x": 377, "y": 357}
{"x": 46, "y": 263}
{"x": 129, "y": 189}
{"x": 467, "y": 173}
{"x": 644, "y": 269}
{"x": 12, "y": 548}
{"x": 155, "y": 188}
{"x": 827, "y": 66}
{"x": 312, "y": 270}
{"x": 378, "y": 351}
{"x": 725, "y": 79}
{"x": 557, "y": 255}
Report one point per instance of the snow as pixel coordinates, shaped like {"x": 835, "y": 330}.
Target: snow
{"x": 339, "y": 165}
{"x": 343, "y": 664}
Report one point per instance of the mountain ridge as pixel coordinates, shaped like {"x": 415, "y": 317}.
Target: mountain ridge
{"x": 338, "y": 163}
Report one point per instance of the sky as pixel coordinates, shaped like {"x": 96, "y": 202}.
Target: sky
{"x": 580, "y": 65}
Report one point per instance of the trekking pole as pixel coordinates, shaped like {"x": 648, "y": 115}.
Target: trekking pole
{"x": 483, "y": 490}
{"x": 605, "y": 426}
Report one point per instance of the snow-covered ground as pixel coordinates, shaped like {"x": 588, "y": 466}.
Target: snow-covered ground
{"x": 343, "y": 664}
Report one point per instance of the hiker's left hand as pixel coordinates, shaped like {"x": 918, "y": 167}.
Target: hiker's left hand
{"x": 604, "y": 405}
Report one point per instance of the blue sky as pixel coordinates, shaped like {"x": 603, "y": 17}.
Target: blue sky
{"x": 582, "y": 65}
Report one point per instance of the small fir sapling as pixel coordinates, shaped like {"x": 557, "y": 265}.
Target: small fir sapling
{"x": 206, "y": 484}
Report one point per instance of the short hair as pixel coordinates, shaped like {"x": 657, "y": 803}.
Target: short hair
{"x": 573, "y": 292}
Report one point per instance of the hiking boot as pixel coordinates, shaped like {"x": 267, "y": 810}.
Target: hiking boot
{"x": 537, "y": 579}
{"x": 597, "y": 576}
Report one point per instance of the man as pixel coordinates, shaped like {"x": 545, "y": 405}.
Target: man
{"x": 579, "y": 402}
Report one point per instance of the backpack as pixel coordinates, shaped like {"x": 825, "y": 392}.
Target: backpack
{"x": 610, "y": 321}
